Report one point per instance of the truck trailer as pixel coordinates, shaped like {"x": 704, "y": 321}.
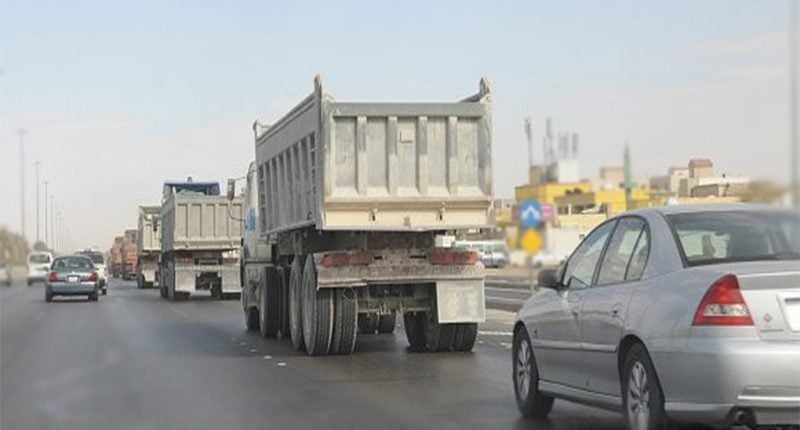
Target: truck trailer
{"x": 149, "y": 246}
{"x": 129, "y": 254}
{"x": 345, "y": 202}
{"x": 201, "y": 234}
{"x": 116, "y": 257}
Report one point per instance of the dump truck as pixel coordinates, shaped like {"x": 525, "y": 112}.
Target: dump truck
{"x": 149, "y": 246}
{"x": 116, "y": 257}
{"x": 345, "y": 202}
{"x": 129, "y": 255}
{"x": 201, "y": 233}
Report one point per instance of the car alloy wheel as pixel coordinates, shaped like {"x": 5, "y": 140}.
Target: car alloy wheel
{"x": 638, "y": 397}
{"x": 524, "y": 369}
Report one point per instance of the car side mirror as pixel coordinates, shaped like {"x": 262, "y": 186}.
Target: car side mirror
{"x": 231, "y": 189}
{"x": 548, "y": 278}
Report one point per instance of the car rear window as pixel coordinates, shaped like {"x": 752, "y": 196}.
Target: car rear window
{"x": 97, "y": 258}
{"x": 72, "y": 263}
{"x": 722, "y": 237}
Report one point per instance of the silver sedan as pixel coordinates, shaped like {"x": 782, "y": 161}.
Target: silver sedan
{"x": 680, "y": 313}
{"x": 73, "y": 275}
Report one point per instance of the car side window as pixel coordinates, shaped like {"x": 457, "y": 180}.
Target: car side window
{"x": 639, "y": 259}
{"x": 581, "y": 266}
{"x": 621, "y": 249}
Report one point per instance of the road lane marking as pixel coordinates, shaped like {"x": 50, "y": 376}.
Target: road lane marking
{"x": 495, "y": 333}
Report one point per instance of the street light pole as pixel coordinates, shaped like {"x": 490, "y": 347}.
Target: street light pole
{"x": 21, "y": 132}
{"x": 795, "y": 152}
{"x": 36, "y": 165}
{"x": 46, "y": 237}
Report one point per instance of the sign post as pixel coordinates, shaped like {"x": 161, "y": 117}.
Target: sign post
{"x": 530, "y": 215}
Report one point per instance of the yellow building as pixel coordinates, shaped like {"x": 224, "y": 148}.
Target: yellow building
{"x": 547, "y": 193}
{"x": 610, "y": 202}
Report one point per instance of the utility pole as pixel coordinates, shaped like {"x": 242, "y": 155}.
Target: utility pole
{"x": 21, "y": 132}
{"x": 36, "y": 165}
{"x": 628, "y": 179}
{"x": 793, "y": 69}
{"x": 46, "y": 237}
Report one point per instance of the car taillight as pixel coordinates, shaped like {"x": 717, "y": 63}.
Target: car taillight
{"x": 93, "y": 276}
{"x": 335, "y": 259}
{"x": 446, "y": 257}
{"x": 52, "y": 277}
{"x": 723, "y": 304}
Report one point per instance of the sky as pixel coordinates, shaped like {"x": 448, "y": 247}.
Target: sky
{"x": 118, "y": 96}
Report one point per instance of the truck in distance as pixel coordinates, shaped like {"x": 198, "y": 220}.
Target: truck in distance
{"x": 344, "y": 205}
{"x": 148, "y": 246}
{"x": 200, "y": 240}
{"x": 129, "y": 254}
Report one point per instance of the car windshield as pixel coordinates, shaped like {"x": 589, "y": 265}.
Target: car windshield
{"x": 73, "y": 263}
{"x": 723, "y": 237}
{"x": 39, "y": 258}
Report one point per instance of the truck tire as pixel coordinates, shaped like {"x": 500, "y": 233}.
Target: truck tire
{"x": 317, "y": 312}
{"x": 438, "y": 337}
{"x": 283, "y": 295}
{"x": 415, "y": 330}
{"x": 139, "y": 282}
{"x": 268, "y": 303}
{"x": 163, "y": 291}
{"x": 251, "y": 318}
{"x": 386, "y": 323}
{"x": 296, "y": 303}
{"x": 345, "y": 321}
{"x": 367, "y": 323}
{"x": 465, "y": 336}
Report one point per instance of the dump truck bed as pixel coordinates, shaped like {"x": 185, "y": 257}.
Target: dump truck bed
{"x": 191, "y": 222}
{"x": 376, "y": 166}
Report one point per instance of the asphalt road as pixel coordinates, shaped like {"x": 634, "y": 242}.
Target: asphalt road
{"x": 135, "y": 361}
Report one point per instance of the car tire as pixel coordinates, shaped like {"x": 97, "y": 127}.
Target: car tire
{"x": 93, "y": 297}
{"x": 30, "y": 283}
{"x": 531, "y": 402}
{"x": 48, "y": 295}
{"x": 642, "y": 397}
{"x": 105, "y": 291}
{"x": 386, "y": 323}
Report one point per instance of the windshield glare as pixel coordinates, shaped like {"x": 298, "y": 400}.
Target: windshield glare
{"x": 721, "y": 237}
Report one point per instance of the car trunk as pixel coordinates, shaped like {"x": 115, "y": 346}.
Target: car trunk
{"x": 771, "y": 290}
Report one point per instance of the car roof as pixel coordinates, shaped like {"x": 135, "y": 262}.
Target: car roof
{"x": 707, "y": 207}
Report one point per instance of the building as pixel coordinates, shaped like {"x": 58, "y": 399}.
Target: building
{"x": 610, "y": 177}
{"x": 669, "y": 184}
{"x": 697, "y": 179}
{"x": 609, "y": 202}
{"x": 547, "y": 193}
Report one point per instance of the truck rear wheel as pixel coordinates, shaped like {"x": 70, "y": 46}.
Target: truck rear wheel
{"x": 368, "y": 323}
{"x": 465, "y": 336}
{"x": 415, "y": 330}
{"x": 386, "y": 323}
{"x": 295, "y": 302}
{"x": 345, "y": 317}
{"x": 251, "y": 318}
{"x": 268, "y": 303}
{"x": 317, "y": 312}
{"x": 438, "y": 337}
{"x": 283, "y": 295}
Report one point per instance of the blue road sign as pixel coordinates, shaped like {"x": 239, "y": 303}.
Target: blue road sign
{"x": 530, "y": 213}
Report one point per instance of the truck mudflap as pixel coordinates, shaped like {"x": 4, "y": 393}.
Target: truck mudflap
{"x": 186, "y": 276}
{"x": 460, "y": 301}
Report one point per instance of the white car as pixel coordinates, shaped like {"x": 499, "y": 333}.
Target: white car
{"x": 38, "y": 266}
{"x": 546, "y": 258}
{"x": 5, "y": 274}
{"x": 100, "y": 268}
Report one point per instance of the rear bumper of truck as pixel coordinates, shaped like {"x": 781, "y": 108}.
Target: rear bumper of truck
{"x": 186, "y": 276}
{"x": 459, "y": 289}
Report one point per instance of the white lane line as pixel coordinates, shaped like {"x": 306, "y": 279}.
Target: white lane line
{"x": 180, "y": 312}
{"x": 495, "y": 333}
